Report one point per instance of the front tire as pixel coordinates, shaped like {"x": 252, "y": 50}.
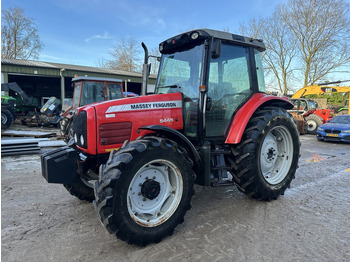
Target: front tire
{"x": 144, "y": 190}
{"x": 83, "y": 188}
{"x": 265, "y": 161}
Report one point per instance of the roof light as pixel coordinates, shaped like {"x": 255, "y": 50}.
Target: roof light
{"x": 194, "y": 35}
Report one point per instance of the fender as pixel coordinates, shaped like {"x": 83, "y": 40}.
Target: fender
{"x": 182, "y": 140}
{"x": 243, "y": 115}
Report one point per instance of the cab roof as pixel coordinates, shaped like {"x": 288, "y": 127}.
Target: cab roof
{"x": 226, "y": 36}
{"x": 91, "y": 78}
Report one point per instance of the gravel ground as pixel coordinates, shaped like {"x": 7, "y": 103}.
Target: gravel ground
{"x": 311, "y": 222}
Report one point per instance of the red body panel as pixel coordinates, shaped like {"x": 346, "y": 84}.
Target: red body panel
{"x": 326, "y": 114}
{"x": 243, "y": 115}
{"x": 164, "y": 109}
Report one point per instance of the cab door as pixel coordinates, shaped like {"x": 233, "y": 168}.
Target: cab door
{"x": 229, "y": 86}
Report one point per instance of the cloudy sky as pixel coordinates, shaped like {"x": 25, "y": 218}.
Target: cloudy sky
{"x": 82, "y": 32}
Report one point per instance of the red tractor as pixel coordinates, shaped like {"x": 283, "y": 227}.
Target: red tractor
{"x": 88, "y": 90}
{"x": 209, "y": 120}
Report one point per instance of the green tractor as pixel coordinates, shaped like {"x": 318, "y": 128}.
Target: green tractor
{"x": 11, "y": 106}
{"x": 8, "y": 113}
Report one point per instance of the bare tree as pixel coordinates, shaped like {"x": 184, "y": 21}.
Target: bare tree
{"x": 125, "y": 55}
{"x": 322, "y": 32}
{"x": 154, "y": 62}
{"x": 280, "y": 48}
{"x": 19, "y": 35}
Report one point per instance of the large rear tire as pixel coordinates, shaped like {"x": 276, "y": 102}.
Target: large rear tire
{"x": 6, "y": 118}
{"x": 265, "y": 161}
{"x": 144, "y": 190}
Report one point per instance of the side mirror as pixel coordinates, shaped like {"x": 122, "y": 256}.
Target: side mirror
{"x": 216, "y": 48}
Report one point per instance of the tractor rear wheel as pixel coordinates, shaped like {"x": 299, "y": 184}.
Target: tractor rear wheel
{"x": 313, "y": 122}
{"x": 6, "y": 118}
{"x": 265, "y": 161}
{"x": 144, "y": 190}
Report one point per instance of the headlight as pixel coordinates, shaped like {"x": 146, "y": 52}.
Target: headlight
{"x": 320, "y": 129}
{"x": 75, "y": 138}
{"x": 346, "y": 131}
{"x": 82, "y": 140}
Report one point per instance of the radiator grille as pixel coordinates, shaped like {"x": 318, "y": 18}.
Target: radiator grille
{"x": 114, "y": 133}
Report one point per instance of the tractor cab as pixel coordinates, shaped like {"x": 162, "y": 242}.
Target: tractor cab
{"x": 303, "y": 106}
{"x": 213, "y": 71}
{"x": 88, "y": 90}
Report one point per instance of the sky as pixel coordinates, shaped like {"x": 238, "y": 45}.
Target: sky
{"x": 82, "y": 32}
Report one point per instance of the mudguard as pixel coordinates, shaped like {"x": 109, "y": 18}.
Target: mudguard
{"x": 243, "y": 115}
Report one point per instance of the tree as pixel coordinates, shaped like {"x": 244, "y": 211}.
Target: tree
{"x": 19, "y": 35}
{"x": 280, "y": 48}
{"x": 125, "y": 55}
{"x": 153, "y": 60}
{"x": 322, "y": 33}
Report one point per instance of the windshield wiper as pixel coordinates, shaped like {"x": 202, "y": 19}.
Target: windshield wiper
{"x": 170, "y": 86}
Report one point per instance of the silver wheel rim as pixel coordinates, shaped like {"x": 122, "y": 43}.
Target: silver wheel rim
{"x": 162, "y": 179}
{"x": 311, "y": 125}
{"x": 276, "y": 155}
{"x": 3, "y": 119}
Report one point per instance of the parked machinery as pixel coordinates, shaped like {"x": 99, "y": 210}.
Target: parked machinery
{"x": 308, "y": 109}
{"x": 88, "y": 90}
{"x": 209, "y": 119}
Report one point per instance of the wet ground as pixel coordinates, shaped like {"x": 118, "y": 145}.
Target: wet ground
{"x": 311, "y": 222}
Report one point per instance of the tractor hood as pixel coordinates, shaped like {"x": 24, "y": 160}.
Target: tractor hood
{"x": 110, "y": 123}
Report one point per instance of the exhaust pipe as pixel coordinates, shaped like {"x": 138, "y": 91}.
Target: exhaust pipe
{"x": 145, "y": 71}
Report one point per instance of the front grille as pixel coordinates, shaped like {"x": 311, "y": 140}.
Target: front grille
{"x": 332, "y": 131}
{"x": 115, "y": 133}
{"x": 79, "y": 128}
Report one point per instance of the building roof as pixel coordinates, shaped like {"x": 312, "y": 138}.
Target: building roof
{"x": 42, "y": 64}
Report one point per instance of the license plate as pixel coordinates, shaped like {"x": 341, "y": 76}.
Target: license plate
{"x": 334, "y": 135}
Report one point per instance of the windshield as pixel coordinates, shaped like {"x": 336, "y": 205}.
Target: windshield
{"x": 341, "y": 120}
{"x": 114, "y": 91}
{"x": 76, "y": 96}
{"x": 92, "y": 92}
{"x": 180, "y": 72}
{"x": 312, "y": 105}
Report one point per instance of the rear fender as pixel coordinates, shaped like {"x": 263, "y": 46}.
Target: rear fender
{"x": 241, "y": 118}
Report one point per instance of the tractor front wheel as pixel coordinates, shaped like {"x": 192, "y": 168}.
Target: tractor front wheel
{"x": 265, "y": 161}
{"x": 83, "y": 188}
{"x": 144, "y": 190}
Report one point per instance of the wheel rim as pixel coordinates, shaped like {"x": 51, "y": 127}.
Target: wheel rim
{"x": 3, "y": 119}
{"x": 154, "y": 193}
{"x": 311, "y": 125}
{"x": 276, "y": 155}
